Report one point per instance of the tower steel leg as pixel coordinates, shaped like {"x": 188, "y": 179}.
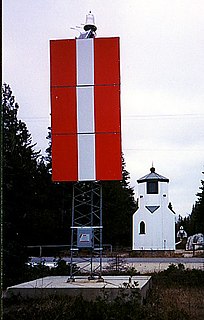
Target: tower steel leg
{"x": 72, "y": 239}
{"x": 101, "y": 238}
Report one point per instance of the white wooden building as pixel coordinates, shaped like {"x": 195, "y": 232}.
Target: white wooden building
{"x": 153, "y": 222}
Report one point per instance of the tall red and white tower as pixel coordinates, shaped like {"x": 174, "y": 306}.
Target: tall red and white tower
{"x": 85, "y": 108}
{"x": 86, "y": 122}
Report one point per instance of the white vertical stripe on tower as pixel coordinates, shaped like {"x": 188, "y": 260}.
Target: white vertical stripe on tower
{"x": 85, "y": 61}
{"x": 86, "y": 157}
{"x": 85, "y": 109}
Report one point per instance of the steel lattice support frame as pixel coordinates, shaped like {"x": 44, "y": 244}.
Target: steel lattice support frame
{"x": 87, "y": 218}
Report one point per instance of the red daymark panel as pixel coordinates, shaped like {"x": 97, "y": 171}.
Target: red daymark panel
{"x": 107, "y": 108}
{"x": 63, "y": 107}
{"x": 108, "y": 157}
{"x": 64, "y": 158}
{"x": 63, "y": 62}
{"x": 106, "y": 61}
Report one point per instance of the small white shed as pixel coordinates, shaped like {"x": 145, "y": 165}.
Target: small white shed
{"x": 153, "y": 222}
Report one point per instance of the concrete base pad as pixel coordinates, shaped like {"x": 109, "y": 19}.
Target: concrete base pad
{"x": 81, "y": 286}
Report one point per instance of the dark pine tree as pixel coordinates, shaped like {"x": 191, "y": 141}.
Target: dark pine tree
{"x": 118, "y": 207}
{"x": 36, "y": 210}
{"x": 194, "y": 223}
{"x": 59, "y": 202}
{"x": 19, "y": 168}
{"x": 197, "y": 215}
{"x": 49, "y": 219}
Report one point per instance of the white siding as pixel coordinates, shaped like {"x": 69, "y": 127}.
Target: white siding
{"x": 160, "y": 225}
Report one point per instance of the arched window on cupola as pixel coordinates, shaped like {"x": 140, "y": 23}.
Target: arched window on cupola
{"x": 142, "y": 228}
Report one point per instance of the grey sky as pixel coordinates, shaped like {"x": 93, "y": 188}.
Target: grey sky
{"x": 162, "y": 78}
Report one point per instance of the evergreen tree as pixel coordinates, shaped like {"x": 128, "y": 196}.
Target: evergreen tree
{"x": 19, "y": 166}
{"x": 197, "y": 215}
{"x": 59, "y": 200}
{"x": 118, "y": 208}
{"x": 194, "y": 223}
{"x": 35, "y": 208}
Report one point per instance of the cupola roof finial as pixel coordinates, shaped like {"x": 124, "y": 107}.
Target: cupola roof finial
{"x": 152, "y": 169}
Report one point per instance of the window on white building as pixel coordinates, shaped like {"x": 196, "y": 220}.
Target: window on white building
{"x": 152, "y": 187}
{"x": 142, "y": 227}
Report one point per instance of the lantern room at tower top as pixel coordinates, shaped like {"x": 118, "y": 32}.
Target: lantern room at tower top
{"x": 85, "y": 109}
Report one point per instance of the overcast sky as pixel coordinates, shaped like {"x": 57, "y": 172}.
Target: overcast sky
{"x": 162, "y": 78}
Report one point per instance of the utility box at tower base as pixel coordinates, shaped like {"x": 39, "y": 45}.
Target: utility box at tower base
{"x": 85, "y": 237}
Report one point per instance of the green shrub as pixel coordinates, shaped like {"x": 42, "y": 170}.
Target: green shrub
{"x": 176, "y": 276}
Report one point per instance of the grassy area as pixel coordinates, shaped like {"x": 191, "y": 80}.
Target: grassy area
{"x": 177, "y": 294}
{"x": 176, "y": 303}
